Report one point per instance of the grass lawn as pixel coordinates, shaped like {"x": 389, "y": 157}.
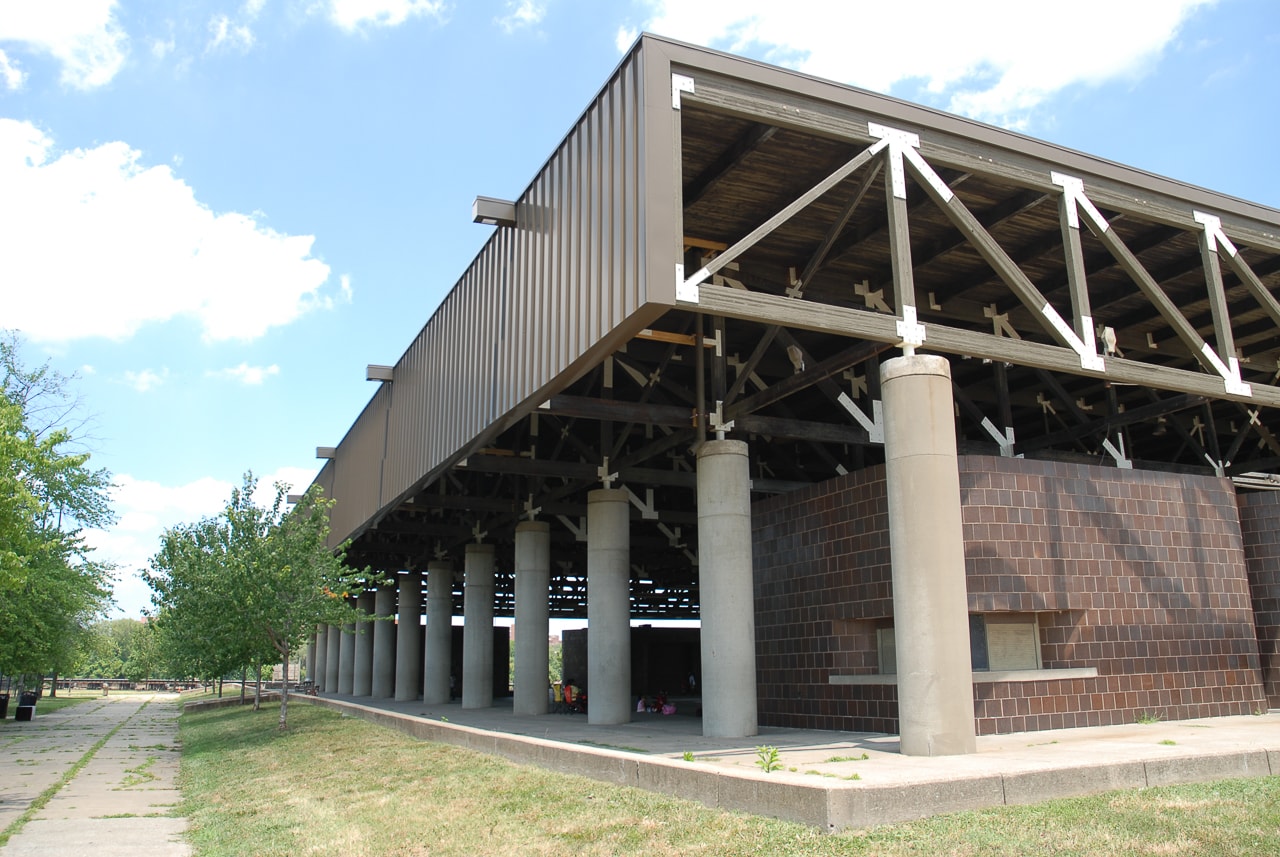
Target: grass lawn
{"x": 48, "y": 704}
{"x": 338, "y": 785}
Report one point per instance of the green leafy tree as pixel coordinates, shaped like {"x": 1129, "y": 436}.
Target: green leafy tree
{"x": 51, "y": 588}
{"x": 249, "y": 587}
{"x": 118, "y": 648}
{"x": 198, "y": 631}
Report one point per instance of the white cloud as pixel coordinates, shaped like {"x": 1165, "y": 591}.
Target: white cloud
{"x": 625, "y": 38}
{"x": 996, "y": 60}
{"x": 11, "y": 73}
{"x": 146, "y": 380}
{"x": 162, "y": 48}
{"x": 354, "y": 14}
{"x": 521, "y": 14}
{"x": 246, "y": 374}
{"x": 146, "y": 509}
{"x": 223, "y": 32}
{"x": 120, "y": 244}
{"x": 82, "y": 35}
{"x": 234, "y": 33}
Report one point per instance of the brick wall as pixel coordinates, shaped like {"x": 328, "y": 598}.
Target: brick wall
{"x": 821, "y": 558}
{"x": 1138, "y": 574}
{"x": 1260, "y": 526}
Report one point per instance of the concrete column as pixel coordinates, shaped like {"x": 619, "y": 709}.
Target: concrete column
{"x": 609, "y": 607}
{"x": 409, "y": 636}
{"x": 437, "y": 663}
{"x": 384, "y": 643}
{"x": 926, "y": 549}
{"x": 331, "y": 664}
{"x": 362, "y": 682}
{"x": 727, "y": 598}
{"x": 477, "y": 628}
{"x": 322, "y": 656}
{"x": 533, "y": 611}
{"x": 347, "y": 659}
{"x": 311, "y": 659}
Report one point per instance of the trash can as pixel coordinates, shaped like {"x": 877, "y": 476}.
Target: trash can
{"x": 26, "y": 705}
{"x": 4, "y": 705}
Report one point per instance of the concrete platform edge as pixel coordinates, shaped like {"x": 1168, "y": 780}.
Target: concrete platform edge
{"x": 827, "y": 805}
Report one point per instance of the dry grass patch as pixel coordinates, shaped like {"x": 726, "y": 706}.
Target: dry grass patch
{"x": 335, "y": 785}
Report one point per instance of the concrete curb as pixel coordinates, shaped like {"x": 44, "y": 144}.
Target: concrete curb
{"x": 825, "y": 803}
{"x": 229, "y": 701}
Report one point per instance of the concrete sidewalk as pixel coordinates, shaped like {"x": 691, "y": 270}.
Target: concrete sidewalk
{"x": 816, "y": 783}
{"x": 119, "y": 803}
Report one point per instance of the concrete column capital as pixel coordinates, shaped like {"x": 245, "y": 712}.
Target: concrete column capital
{"x": 533, "y": 527}
{"x": 722, "y": 447}
{"x": 607, "y": 495}
{"x": 916, "y": 364}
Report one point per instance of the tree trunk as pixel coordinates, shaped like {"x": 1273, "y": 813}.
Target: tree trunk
{"x": 257, "y": 691}
{"x": 244, "y": 682}
{"x": 53, "y": 687}
{"x": 284, "y": 691}
{"x": 219, "y": 687}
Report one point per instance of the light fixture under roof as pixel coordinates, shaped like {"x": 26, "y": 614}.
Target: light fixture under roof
{"x": 493, "y": 212}
{"x": 374, "y": 372}
{"x": 329, "y": 452}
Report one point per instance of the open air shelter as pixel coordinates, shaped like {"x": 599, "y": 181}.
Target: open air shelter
{"x": 938, "y": 429}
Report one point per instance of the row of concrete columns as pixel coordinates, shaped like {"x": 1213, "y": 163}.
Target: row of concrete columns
{"x": 363, "y": 664}
{"x": 935, "y": 691}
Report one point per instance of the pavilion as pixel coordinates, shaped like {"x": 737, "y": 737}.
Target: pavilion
{"x": 937, "y": 429}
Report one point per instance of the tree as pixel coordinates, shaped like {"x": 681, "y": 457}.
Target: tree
{"x": 251, "y": 585}
{"x": 50, "y": 587}
{"x": 198, "y": 630}
{"x": 118, "y": 648}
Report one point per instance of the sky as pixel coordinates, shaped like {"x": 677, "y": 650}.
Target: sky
{"x": 216, "y": 214}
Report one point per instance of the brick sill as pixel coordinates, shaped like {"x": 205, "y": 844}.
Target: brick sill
{"x": 984, "y": 677}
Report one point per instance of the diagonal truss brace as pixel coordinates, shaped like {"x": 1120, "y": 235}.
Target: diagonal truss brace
{"x": 901, "y": 149}
{"x": 1098, "y": 225}
{"x": 687, "y": 289}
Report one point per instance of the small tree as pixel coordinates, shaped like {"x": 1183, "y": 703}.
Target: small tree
{"x": 251, "y": 585}
{"x": 306, "y": 582}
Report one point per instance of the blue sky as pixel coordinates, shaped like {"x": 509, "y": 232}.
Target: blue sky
{"x": 217, "y": 213}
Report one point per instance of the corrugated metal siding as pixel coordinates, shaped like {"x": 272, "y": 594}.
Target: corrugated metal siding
{"x": 535, "y": 299}
{"x": 357, "y": 469}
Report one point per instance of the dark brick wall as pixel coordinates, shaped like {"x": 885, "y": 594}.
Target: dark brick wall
{"x": 1260, "y": 526}
{"x": 1139, "y": 574}
{"x": 821, "y": 559}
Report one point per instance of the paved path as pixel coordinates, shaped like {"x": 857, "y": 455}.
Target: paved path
{"x": 120, "y": 800}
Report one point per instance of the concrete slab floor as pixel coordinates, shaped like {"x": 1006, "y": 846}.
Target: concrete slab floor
{"x": 119, "y": 803}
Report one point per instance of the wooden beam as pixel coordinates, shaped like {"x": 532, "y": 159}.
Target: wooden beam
{"x": 1104, "y": 426}
{"x": 833, "y": 365}
{"x": 667, "y": 336}
{"x": 800, "y": 203}
{"x": 754, "y": 137}
{"x": 808, "y": 430}
{"x": 904, "y": 284}
{"x": 1008, "y": 271}
{"x": 583, "y": 407}
{"x": 1167, "y": 308}
{"x": 861, "y": 324}
{"x": 837, "y": 226}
